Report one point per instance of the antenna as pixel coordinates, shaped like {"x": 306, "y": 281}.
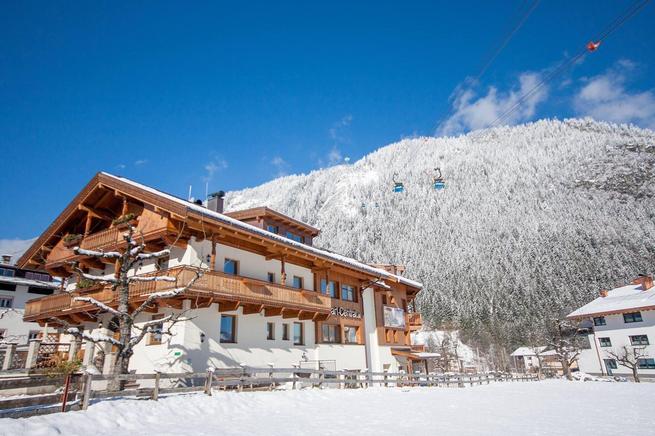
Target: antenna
{"x": 206, "y": 190}
{"x": 189, "y": 197}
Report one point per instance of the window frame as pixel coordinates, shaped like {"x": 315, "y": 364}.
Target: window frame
{"x": 270, "y": 331}
{"x": 639, "y": 342}
{"x": 324, "y": 286}
{"x": 8, "y": 298}
{"x": 152, "y": 336}
{"x": 604, "y": 345}
{"x": 351, "y": 289}
{"x": 633, "y": 317}
{"x": 301, "y": 280}
{"x": 601, "y": 321}
{"x": 233, "y": 334}
{"x": 649, "y": 363}
{"x": 270, "y": 277}
{"x": 273, "y": 229}
{"x": 236, "y": 266}
{"x": 302, "y": 333}
{"x": 34, "y": 333}
{"x": 333, "y": 333}
{"x": 345, "y": 335}
{"x": 285, "y": 331}
{"x": 3, "y": 272}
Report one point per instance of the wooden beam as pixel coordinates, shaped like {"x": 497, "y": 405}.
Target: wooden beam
{"x": 228, "y": 306}
{"x": 290, "y": 313}
{"x": 273, "y": 311}
{"x": 249, "y": 309}
{"x": 303, "y": 315}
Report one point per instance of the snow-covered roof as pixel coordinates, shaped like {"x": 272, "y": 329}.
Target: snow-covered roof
{"x": 527, "y": 351}
{"x": 273, "y": 236}
{"x": 623, "y": 299}
{"x": 28, "y": 282}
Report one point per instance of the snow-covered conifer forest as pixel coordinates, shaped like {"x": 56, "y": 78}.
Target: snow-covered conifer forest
{"x": 534, "y": 221}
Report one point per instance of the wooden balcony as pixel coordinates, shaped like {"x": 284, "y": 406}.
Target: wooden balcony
{"x": 414, "y": 321}
{"x": 213, "y": 287}
{"x": 149, "y": 224}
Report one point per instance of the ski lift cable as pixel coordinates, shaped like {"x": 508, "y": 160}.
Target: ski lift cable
{"x": 523, "y": 18}
{"x": 634, "y": 9}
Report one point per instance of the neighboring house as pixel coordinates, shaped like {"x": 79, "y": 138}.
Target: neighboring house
{"x": 532, "y": 359}
{"x": 623, "y": 320}
{"x": 17, "y": 286}
{"x": 267, "y": 295}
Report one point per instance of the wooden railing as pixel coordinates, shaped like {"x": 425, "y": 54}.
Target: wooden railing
{"x": 212, "y": 284}
{"x": 82, "y": 391}
{"x": 414, "y": 321}
{"x": 102, "y": 239}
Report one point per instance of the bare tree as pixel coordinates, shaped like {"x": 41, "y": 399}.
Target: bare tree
{"x": 123, "y": 317}
{"x": 629, "y": 357}
{"x": 566, "y": 343}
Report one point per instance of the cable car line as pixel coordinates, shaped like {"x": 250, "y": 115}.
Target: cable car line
{"x": 592, "y": 46}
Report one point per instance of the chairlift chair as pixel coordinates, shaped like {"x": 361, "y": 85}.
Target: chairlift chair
{"x": 397, "y": 186}
{"x": 438, "y": 182}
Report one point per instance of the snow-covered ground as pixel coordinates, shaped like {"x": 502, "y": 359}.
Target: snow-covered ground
{"x": 543, "y": 408}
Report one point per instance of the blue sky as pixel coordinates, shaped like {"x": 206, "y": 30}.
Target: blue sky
{"x": 174, "y": 94}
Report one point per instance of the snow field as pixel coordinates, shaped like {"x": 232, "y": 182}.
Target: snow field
{"x": 532, "y": 408}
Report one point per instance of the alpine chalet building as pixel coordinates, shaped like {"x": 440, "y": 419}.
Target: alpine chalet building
{"x": 267, "y": 296}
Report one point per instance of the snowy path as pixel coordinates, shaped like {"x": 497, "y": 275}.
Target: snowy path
{"x": 544, "y": 408}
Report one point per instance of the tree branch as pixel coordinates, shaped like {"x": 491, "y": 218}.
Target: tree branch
{"x": 99, "y": 304}
{"x": 93, "y": 253}
{"x": 152, "y": 279}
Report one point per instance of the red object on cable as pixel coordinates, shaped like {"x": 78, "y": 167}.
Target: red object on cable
{"x": 593, "y": 46}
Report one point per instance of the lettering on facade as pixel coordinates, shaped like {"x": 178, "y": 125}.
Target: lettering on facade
{"x": 345, "y": 312}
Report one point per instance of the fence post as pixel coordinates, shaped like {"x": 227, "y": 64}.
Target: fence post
{"x": 270, "y": 375}
{"x": 155, "y": 391}
{"x": 321, "y": 377}
{"x": 86, "y": 397}
{"x": 72, "y": 351}
{"x": 460, "y": 382}
{"x": 10, "y": 350}
{"x": 32, "y": 353}
{"x": 471, "y": 380}
{"x": 67, "y": 385}
{"x": 242, "y": 378}
{"x": 209, "y": 379}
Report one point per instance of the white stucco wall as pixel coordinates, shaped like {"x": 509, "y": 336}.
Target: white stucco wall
{"x": 16, "y": 330}
{"x": 619, "y": 334}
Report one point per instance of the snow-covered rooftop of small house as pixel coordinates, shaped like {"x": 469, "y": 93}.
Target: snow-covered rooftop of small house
{"x": 278, "y": 238}
{"x": 626, "y": 298}
{"x": 527, "y": 351}
{"x": 28, "y": 282}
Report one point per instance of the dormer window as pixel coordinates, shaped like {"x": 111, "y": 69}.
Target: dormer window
{"x": 273, "y": 229}
{"x": 294, "y": 237}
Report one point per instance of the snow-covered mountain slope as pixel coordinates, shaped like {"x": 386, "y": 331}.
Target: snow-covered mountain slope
{"x": 535, "y": 218}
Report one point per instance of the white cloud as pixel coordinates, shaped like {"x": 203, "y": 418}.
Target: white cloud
{"x": 280, "y": 165}
{"x": 471, "y": 111}
{"x": 15, "y": 247}
{"x": 340, "y": 136}
{"x": 140, "y": 162}
{"x": 605, "y": 97}
{"x": 213, "y": 167}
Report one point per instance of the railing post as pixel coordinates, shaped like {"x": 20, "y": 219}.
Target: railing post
{"x": 270, "y": 376}
{"x": 209, "y": 379}
{"x": 72, "y": 350}
{"x": 10, "y": 350}
{"x": 242, "y": 378}
{"x": 86, "y": 396}
{"x": 294, "y": 378}
{"x": 32, "y": 353}
{"x": 155, "y": 391}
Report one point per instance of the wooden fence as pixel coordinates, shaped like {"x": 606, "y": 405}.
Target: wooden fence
{"x": 80, "y": 390}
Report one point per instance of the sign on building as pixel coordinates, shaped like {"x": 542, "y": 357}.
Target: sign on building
{"x": 394, "y": 317}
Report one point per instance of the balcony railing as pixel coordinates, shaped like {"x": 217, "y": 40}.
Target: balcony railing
{"x": 212, "y": 284}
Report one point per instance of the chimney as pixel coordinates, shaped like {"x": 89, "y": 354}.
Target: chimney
{"x": 6, "y": 259}
{"x": 215, "y": 201}
{"x": 646, "y": 281}
{"x": 603, "y": 293}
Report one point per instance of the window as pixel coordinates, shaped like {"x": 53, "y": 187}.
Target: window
{"x": 270, "y": 331}
{"x": 6, "y": 272}
{"x": 347, "y": 293}
{"x": 350, "y": 335}
{"x": 3, "y": 334}
{"x": 605, "y": 342}
{"x": 297, "y": 282}
{"x": 39, "y": 290}
{"x": 273, "y": 229}
{"x": 639, "y": 340}
{"x": 7, "y": 287}
{"x": 285, "y": 332}
{"x": 646, "y": 363}
{"x": 611, "y": 364}
{"x": 298, "y": 334}
{"x": 6, "y": 302}
{"x": 329, "y": 288}
{"x": 156, "y": 333}
{"x": 271, "y": 277}
{"x": 599, "y": 320}
{"x": 33, "y": 334}
{"x": 231, "y": 266}
{"x": 228, "y": 328}
{"x": 632, "y": 317}
{"x": 330, "y": 333}
{"x": 295, "y": 237}
{"x": 37, "y": 276}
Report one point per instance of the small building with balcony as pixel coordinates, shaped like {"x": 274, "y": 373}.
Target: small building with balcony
{"x": 267, "y": 295}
